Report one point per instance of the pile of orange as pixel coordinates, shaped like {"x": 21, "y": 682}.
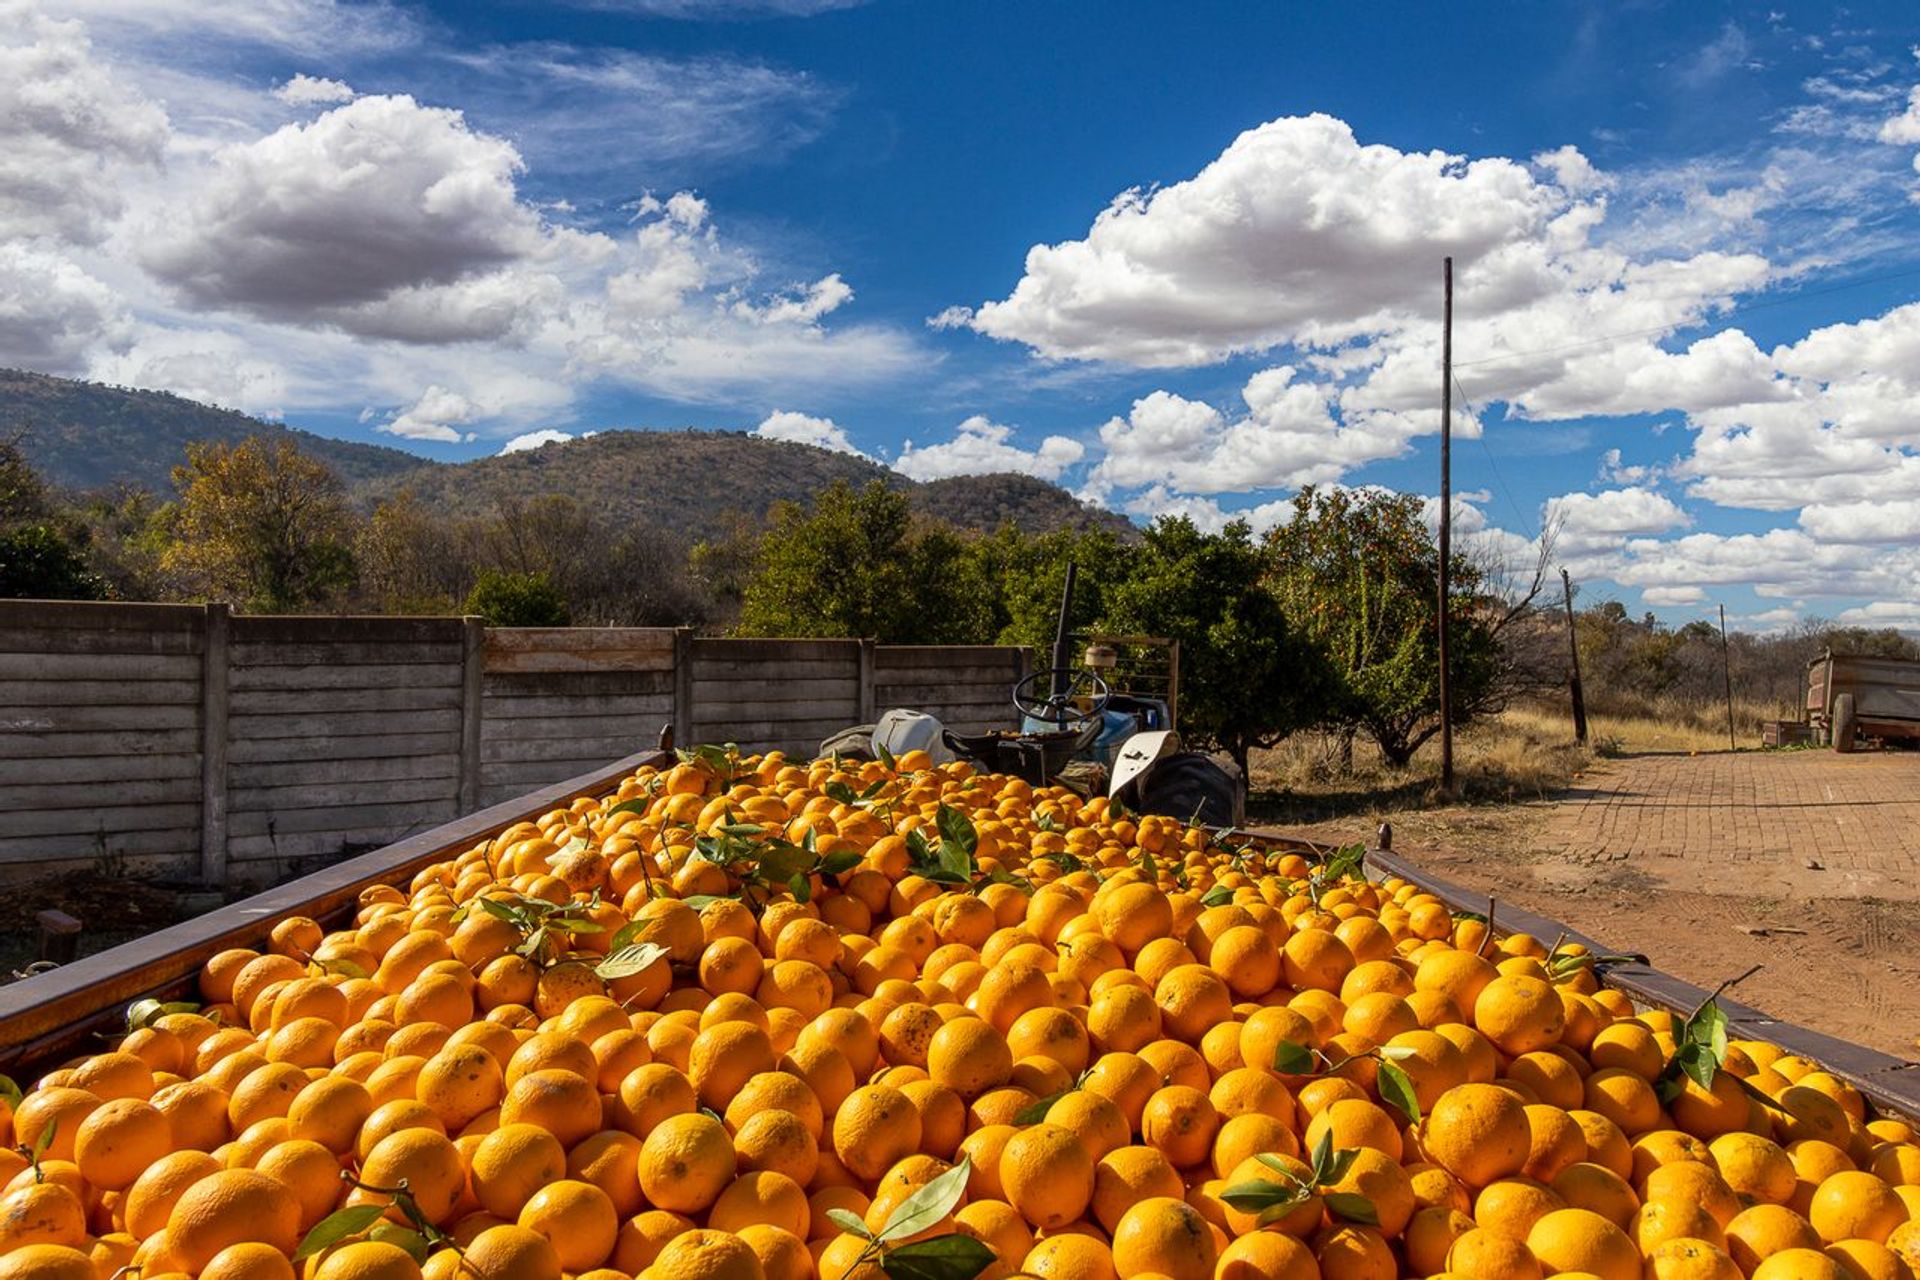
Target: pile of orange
{"x": 1156, "y": 1057}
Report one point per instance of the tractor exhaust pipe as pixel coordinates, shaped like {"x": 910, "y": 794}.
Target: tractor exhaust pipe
{"x": 1063, "y": 637}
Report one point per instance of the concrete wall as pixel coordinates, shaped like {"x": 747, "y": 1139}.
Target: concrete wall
{"x": 181, "y": 740}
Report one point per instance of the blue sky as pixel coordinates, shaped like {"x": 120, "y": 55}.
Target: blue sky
{"x": 1179, "y": 258}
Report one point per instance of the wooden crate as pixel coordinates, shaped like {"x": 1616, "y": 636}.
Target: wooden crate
{"x": 1785, "y": 733}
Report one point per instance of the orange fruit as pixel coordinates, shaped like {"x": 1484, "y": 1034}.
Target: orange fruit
{"x": 251, "y": 1261}
{"x": 686, "y": 1162}
{"x": 875, "y": 1126}
{"x": 577, "y": 1218}
{"x": 1165, "y": 1236}
{"x": 1581, "y": 1240}
{"x": 1519, "y": 1014}
{"x": 41, "y": 1213}
{"x": 46, "y": 1262}
{"x": 511, "y": 1252}
{"x": 151, "y": 1197}
{"x": 1048, "y": 1175}
{"x": 969, "y": 1057}
{"x": 707, "y": 1255}
{"x": 1477, "y": 1132}
{"x": 513, "y": 1162}
{"x": 367, "y": 1260}
{"x": 119, "y": 1140}
{"x": 435, "y": 1174}
{"x": 233, "y": 1206}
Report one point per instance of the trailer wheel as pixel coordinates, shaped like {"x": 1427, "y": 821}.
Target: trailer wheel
{"x": 1844, "y": 718}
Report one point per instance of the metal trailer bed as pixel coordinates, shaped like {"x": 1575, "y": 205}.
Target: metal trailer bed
{"x": 1853, "y": 696}
{"x": 51, "y": 1017}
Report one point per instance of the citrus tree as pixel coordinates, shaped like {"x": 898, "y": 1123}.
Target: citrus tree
{"x": 858, "y": 564}
{"x": 1024, "y": 575}
{"x": 1248, "y": 678}
{"x": 1357, "y": 573}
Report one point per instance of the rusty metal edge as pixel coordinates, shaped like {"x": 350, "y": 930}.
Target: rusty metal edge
{"x": 1892, "y": 1084}
{"x": 52, "y": 1015}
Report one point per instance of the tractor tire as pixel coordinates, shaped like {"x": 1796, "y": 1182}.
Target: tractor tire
{"x": 1845, "y": 718}
{"x": 1192, "y": 787}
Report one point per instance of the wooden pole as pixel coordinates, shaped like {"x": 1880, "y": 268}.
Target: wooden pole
{"x": 1446, "y": 527}
{"x": 1573, "y": 652}
{"x": 1726, "y": 674}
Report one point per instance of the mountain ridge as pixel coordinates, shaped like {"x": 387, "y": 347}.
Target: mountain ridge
{"x": 700, "y": 484}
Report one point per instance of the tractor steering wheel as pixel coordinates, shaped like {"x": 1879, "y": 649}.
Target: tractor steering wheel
{"x": 1034, "y": 696}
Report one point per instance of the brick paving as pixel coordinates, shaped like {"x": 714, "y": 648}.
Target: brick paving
{"x": 1805, "y": 823}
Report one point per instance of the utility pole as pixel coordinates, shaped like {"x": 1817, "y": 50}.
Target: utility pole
{"x": 1446, "y": 529}
{"x": 1726, "y": 674}
{"x": 1573, "y": 652}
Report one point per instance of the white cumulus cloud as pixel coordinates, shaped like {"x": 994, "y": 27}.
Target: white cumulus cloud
{"x": 384, "y": 246}
{"x": 1662, "y": 596}
{"x": 800, "y": 428}
{"x": 430, "y": 203}
{"x": 1905, "y": 127}
{"x": 1591, "y": 522}
{"x": 52, "y": 313}
{"x": 436, "y": 416}
{"x": 1294, "y": 433}
{"x": 304, "y": 90}
{"x": 68, "y": 127}
{"x": 534, "y": 439}
{"x": 1297, "y": 231}
{"x": 981, "y": 446}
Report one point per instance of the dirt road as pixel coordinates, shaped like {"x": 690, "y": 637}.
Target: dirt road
{"x": 1803, "y": 861}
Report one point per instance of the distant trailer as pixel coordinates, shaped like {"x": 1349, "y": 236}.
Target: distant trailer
{"x": 1851, "y": 697}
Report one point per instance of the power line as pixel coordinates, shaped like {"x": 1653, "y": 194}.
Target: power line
{"x": 1723, "y": 316}
{"x": 1498, "y": 479}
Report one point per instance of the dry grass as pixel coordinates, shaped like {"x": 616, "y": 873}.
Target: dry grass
{"x": 1525, "y": 755}
{"x": 1627, "y": 735}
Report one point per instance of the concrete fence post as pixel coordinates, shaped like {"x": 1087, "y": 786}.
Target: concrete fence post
{"x": 214, "y": 673}
{"x": 867, "y": 712}
{"x": 683, "y": 687}
{"x": 473, "y": 658}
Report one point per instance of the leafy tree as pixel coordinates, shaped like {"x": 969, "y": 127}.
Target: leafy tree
{"x": 126, "y": 531}
{"x": 518, "y": 600}
{"x": 407, "y": 559}
{"x": 23, "y": 494}
{"x": 1358, "y": 573}
{"x": 611, "y": 572}
{"x": 262, "y": 523}
{"x": 1247, "y": 677}
{"x": 720, "y": 567}
{"x": 858, "y": 564}
{"x": 42, "y": 556}
{"x": 1887, "y": 642}
{"x": 37, "y": 563}
{"x": 1025, "y": 575}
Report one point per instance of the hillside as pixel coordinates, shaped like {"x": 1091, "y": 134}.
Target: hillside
{"x": 698, "y": 484}
{"x": 82, "y": 435}
{"x": 691, "y": 482}
{"x": 987, "y": 502}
